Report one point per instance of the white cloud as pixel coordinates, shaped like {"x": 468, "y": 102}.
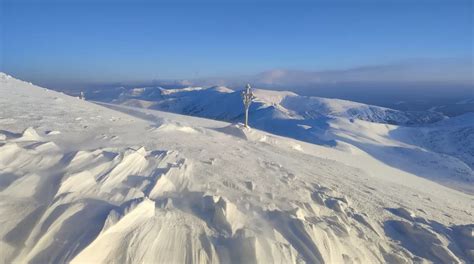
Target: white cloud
{"x": 420, "y": 70}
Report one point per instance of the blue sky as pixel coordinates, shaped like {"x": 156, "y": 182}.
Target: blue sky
{"x": 103, "y": 41}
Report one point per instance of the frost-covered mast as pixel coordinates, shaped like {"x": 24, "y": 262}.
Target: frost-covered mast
{"x": 247, "y": 97}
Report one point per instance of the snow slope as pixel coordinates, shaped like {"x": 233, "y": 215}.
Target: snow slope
{"x": 442, "y": 155}
{"x": 453, "y": 137}
{"x": 82, "y": 183}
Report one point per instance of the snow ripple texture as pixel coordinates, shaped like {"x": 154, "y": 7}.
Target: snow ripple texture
{"x": 136, "y": 205}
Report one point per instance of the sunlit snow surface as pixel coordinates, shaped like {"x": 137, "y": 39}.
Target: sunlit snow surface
{"x": 88, "y": 183}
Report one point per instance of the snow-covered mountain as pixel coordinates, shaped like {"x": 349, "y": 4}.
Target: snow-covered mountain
{"x": 389, "y": 135}
{"x": 84, "y": 183}
{"x": 223, "y": 103}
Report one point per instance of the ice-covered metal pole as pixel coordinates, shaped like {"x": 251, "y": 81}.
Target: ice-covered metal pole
{"x": 247, "y": 97}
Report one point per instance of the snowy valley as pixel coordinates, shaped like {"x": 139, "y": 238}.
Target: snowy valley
{"x": 153, "y": 175}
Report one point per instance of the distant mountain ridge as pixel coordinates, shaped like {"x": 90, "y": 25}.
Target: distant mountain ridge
{"x": 222, "y": 103}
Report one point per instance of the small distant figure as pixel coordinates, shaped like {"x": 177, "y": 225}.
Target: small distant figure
{"x": 247, "y": 97}
{"x": 82, "y": 96}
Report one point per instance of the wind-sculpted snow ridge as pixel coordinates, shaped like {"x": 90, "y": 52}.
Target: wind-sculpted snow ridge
{"x": 133, "y": 205}
{"x": 141, "y": 186}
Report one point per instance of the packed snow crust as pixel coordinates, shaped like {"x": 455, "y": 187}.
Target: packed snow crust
{"x": 127, "y": 185}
